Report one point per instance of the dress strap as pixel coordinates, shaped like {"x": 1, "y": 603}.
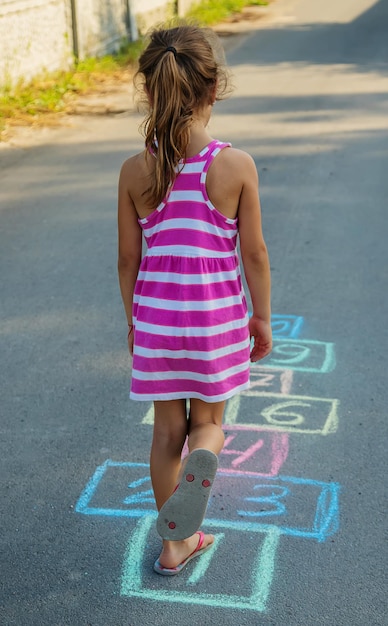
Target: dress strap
{"x": 215, "y": 149}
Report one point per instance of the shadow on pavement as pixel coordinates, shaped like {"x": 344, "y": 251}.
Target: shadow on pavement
{"x": 362, "y": 42}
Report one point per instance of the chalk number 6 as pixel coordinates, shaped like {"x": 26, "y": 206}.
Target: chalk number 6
{"x": 280, "y": 415}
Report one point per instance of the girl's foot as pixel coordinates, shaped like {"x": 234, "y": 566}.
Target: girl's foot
{"x": 183, "y": 512}
{"x": 176, "y": 552}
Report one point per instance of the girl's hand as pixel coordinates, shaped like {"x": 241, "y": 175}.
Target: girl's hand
{"x": 262, "y": 333}
{"x": 130, "y": 339}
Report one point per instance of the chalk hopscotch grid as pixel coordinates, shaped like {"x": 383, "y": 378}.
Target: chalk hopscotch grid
{"x": 285, "y": 415}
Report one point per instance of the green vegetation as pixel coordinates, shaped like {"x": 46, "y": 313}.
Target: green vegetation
{"x": 54, "y": 92}
{"x": 210, "y": 12}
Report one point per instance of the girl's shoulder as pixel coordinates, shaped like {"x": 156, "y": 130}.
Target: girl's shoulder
{"x": 135, "y": 180}
{"x": 229, "y": 174}
{"x": 234, "y": 157}
{"x": 233, "y": 164}
{"x": 136, "y": 165}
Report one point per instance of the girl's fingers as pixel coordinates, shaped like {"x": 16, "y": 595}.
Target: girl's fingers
{"x": 260, "y": 349}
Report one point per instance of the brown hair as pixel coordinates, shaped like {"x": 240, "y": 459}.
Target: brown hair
{"x": 182, "y": 69}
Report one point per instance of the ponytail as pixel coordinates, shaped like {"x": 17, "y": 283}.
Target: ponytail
{"x": 180, "y": 74}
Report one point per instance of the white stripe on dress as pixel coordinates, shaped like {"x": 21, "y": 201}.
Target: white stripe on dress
{"x": 155, "y": 353}
{"x": 187, "y": 305}
{"x": 188, "y": 251}
{"x": 185, "y": 196}
{"x": 190, "y": 168}
{"x": 194, "y": 331}
{"x": 188, "y": 279}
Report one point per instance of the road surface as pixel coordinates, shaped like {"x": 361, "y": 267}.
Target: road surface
{"x": 298, "y": 507}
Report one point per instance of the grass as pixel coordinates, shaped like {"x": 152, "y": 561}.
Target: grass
{"x": 210, "y": 12}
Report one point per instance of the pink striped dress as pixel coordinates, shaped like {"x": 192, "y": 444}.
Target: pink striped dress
{"x": 191, "y": 337}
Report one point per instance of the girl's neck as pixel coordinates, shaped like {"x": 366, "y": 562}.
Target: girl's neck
{"x": 199, "y": 134}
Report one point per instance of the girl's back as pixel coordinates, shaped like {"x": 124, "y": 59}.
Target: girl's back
{"x": 227, "y": 175}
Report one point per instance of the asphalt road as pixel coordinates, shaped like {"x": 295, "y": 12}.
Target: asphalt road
{"x": 299, "y": 504}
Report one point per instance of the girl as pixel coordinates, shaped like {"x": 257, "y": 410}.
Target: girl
{"x": 189, "y": 331}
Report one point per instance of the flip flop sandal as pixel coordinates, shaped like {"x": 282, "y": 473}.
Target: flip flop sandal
{"x": 182, "y": 514}
{"x": 172, "y": 571}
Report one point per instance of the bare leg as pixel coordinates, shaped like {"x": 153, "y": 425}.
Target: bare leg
{"x": 206, "y": 425}
{"x": 170, "y": 431}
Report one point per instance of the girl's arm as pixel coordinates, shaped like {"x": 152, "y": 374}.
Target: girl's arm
{"x": 129, "y": 244}
{"x": 255, "y": 260}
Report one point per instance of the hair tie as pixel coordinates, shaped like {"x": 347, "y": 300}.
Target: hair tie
{"x": 171, "y": 49}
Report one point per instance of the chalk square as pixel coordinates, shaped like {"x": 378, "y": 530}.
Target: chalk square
{"x": 118, "y": 489}
{"x": 253, "y": 451}
{"x": 284, "y": 412}
{"x": 269, "y": 379}
{"x": 201, "y": 583}
{"x": 302, "y": 355}
{"x": 298, "y": 507}
{"x": 288, "y": 326}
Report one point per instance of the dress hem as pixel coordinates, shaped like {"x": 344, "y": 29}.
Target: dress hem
{"x": 180, "y": 395}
